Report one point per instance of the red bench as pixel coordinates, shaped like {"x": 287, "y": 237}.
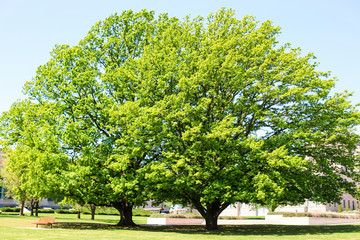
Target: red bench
{"x": 45, "y": 221}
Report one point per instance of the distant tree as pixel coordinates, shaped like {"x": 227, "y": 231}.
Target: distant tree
{"x": 357, "y": 196}
{"x": 340, "y": 208}
{"x": 92, "y": 210}
{"x": 27, "y": 137}
{"x": 15, "y": 188}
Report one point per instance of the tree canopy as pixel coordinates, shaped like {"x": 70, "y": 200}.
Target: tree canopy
{"x": 200, "y": 111}
{"x": 29, "y": 136}
{"x": 238, "y": 118}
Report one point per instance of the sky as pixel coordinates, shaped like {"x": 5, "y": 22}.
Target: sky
{"x": 30, "y": 29}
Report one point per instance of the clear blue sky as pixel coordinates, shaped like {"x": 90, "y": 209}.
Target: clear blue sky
{"x": 30, "y": 29}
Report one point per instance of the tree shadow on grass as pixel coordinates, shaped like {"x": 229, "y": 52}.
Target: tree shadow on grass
{"x": 84, "y": 225}
{"x": 276, "y": 230}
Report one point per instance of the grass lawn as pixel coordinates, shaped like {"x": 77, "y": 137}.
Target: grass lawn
{"x": 15, "y": 227}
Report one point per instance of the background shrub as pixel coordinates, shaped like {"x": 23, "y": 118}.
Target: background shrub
{"x": 232, "y": 218}
{"x": 193, "y": 215}
{"x": 106, "y": 211}
{"x": 113, "y": 211}
{"x": 197, "y": 215}
{"x": 175, "y": 216}
{"x": 141, "y": 212}
{"x": 340, "y": 208}
{"x": 46, "y": 210}
{"x": 66, "y": 211}
{"x": 9, "y": 209}
{"x": 324, "y": 215}
{"x": 5, "y": 209}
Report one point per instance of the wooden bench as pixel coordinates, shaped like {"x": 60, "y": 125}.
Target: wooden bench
{"x": 45, "y": 221}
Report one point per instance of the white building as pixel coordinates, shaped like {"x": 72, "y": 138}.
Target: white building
{"x": 241, "y": 209}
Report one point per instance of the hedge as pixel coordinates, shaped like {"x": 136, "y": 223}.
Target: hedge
{"x": 46, "y": 210}
{"x": 9, "y": 209}
{"x": 175, "y": 216}
{"x": 85, "y": 210}
{"x": 141, "y": 212}
{"x": 197, "y": 215}
{"x": 322, "y": 215}
{"x": 113, "y": 211}
{"x": 105, "y": 211}
{"x": 66, "y": 211}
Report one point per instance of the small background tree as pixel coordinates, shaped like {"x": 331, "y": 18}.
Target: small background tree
{"x": 340, "y": 209}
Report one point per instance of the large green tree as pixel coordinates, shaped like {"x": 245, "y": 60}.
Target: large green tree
{"x": 236, "y": 117}
{"x": 204, "y": 112}
{"x": 89, "y": 85}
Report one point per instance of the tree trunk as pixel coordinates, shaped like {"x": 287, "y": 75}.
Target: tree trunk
{"x": 125, "y": 211}
{"x": 37, "y": 207}
{"x": 93, "y": 208}
{"x": 78, "y": 214}
{"x": 211, "y": 221}
{"x": 22, "y": 204}
{"x": 211, "y": 213}
{"x": 32, "y": 207}
{"x": 273, "y": 207}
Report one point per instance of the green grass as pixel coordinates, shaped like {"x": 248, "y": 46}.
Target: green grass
{"x": 85, "y": 218}
{"x": 68, "y": 227}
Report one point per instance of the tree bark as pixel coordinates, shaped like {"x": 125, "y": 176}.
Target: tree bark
{"x": 32, "y": 207}
{"x": 273, "y": 207}
{"x": 125, "y": 211}
{"x": 37, "y": 207}
{"x": 22, "y": 204}
{"x": 210, "y": 213}
{"x": 211, "y": 221}
{"x": 93, "y": 208}
{"x": 78, "y": 214}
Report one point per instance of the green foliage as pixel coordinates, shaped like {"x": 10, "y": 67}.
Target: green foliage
{"x": 107, "y": 211}
{"x": 175, "y": 216}
{"x": 46, "y": 210}
{"x": 101, "y": 211}
{"x": 190, "y": 215}
{"x": 291, "y": 214}
{"x": 113, "y": 211}
{"x": 319, "y": 215}
{"x": 66, "y": 211}
{"x": 9, "y": 209}
{"x": 235, "y": 117}
{"x": 28, "y": 134}
{"x": 197, "y": 215}
{"x": 141, "y": 212}
{"x": 83, "y": 82}
{"x": 198, "y": 111}
{"x": 340, "y": 208}
{"x": 347, "y": 208}
{"x": 255, "y": 218}
{"x": 85, "y": 210}
{"x": 233, "y": 218}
